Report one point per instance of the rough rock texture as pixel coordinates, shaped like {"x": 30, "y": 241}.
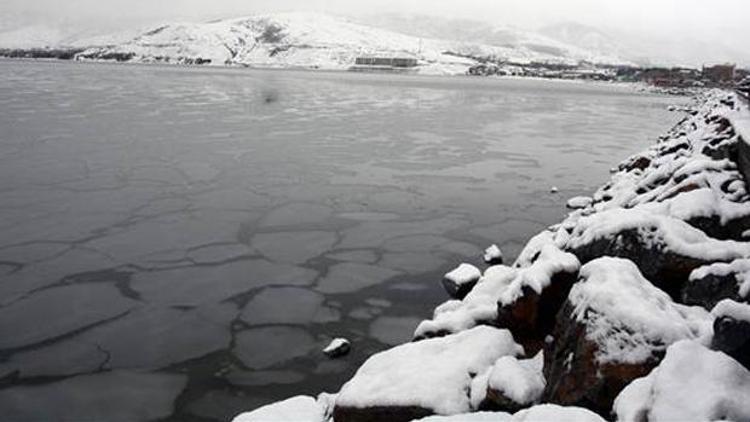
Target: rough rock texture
{"x": 523, "y": 298}
{"x": 574, "y": 376}
{"x": 711, "y": 284}
{"x": 515, "y": 384}
{"x": 732, "y": 331}
{"x": 459, "y": 282}
{"x": 613, "y": 328}
{"x": 418, "y": 379}
{"x": 533, "y": 315}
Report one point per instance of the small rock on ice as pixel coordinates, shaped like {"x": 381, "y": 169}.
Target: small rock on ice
{"x": 554, "y": 189}
{"x": 493, "y": 255}
{"x": 338, "y": 347}
{"x": 459, "y": 282}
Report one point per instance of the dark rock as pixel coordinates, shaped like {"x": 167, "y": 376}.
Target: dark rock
{"x": 532, "y": 317}
{"x": 380, "y": 414}
{"x": 574, "y": 376}
{"x": 732, "y": 337}
{"x": 337, "y": 348}
{"x": 708, "y": 288}
{"x": 638, "y": 162}
{"x": 459, "y": 282}
{"x": 667, "y": 270}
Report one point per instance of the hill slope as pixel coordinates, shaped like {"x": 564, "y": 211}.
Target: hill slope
{"x": 314, "y": 40}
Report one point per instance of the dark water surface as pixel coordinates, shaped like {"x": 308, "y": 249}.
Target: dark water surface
{"x": 183, "y": 242}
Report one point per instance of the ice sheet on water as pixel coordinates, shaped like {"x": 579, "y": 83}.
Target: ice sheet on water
{"x": 294, "y": 247}
{"x": 64, "y": 310}
{"x": 411, "y": 262}
{"x": 197, "y": 285}
{"x": 296, "y": 214}
{"x": 288, "y": 305}
{"x": 363, "y": 256}
{"x": 350, "y": 277}
{"x": 163, "y": 336}
{"x": 392, "y": 330}
{"x": 261, "y": 348}
{"x": 109, "y": 396}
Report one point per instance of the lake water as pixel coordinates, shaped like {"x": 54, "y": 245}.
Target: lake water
{"x": 183, "y": 241}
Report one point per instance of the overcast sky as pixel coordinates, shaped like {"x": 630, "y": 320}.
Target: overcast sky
{"x": 725, "y": 21}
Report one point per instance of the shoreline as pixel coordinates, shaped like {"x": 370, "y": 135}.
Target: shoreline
{"x": 638, "y": 87}
{"x": 593, "y": 305}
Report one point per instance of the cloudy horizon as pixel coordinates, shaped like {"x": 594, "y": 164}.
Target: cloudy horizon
{"x": 689, "y": 31}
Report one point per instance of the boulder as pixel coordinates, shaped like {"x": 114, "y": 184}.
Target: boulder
{"x": 493, "y": 255}
{"x": 613, "y": 328}
{"x": 418, "y": 379}
{"x": 515, "y": 384}
{"x": 692, "y": 383}
{"x": 337, "y": 348}
{"x": 522, "y": 299}
{"x": 665, "y": 249}
{"x": 732, "y": 330}
{"x": 298, "y": 409}
{"x": 710, "y": 284}
{"x": 459, "y": 282}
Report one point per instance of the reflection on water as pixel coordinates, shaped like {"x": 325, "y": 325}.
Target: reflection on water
{"x": 185, "y": 241}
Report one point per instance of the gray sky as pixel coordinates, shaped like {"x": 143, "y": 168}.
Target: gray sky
{"x": 679, "y": 22}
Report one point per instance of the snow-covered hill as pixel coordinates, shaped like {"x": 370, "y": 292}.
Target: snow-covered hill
{"x": 314, "y": 40}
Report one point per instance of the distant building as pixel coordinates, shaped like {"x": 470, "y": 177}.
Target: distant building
{"x": 720, "y": 73}
{"x": 394, "y": 62}
{"x": 670, "y": 77}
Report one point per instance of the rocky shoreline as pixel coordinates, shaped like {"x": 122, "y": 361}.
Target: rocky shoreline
{"x": 633, "y": 308}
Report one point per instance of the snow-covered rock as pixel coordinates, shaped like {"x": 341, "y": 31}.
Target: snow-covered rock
{"x": 295, "y": 409}
{"x": 539, "y": 413}
{"x": 579, "y": 202}
{"x": 664, "y": 248}
{"x": 337, "y": 347}
{"x": 710, "y": 284}
{"x": 520, "y": 299}
{"x": 493, "y": 255}
{"x": 614, "y": 327}
{"x": 732, "y": 330}
{"x": 423, "y": 378}
{"x": 551, "y": 412}
{"x": 514, "y": 384}
{"x": 459, "y": 282}
{"x": 692, "y": 383}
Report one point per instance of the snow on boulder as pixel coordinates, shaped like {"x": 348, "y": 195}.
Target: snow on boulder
{"x": 692, "y": 383}
{"x": 459, "y": 282}
{"x": 493, "y": 255}
{"x": 470, "y": 417}
{"x": 539, "y": 413}
{"x": 732, "y": 330}
{"x": 579, "y": 202}
{"x": 665, "y": 249}
{"x": 710, "y": 284}
{"x": 514, "y": 384}
{"x": 691, "y": 174}
{"x": 523, "y": 300}
{"x": 420, "y": 379}
{"x": 337, "y": 347}
{"x": 551, "y": 412}
{"x": 614, "y": 327}
{"x": 296, "y": 409}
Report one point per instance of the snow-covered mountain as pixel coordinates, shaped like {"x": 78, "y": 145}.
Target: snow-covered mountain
{"x": 314, "y": 40}
{"x": 467, "y": 30}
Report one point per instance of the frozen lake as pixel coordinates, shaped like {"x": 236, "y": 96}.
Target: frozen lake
{"x": 183, "y": 242}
